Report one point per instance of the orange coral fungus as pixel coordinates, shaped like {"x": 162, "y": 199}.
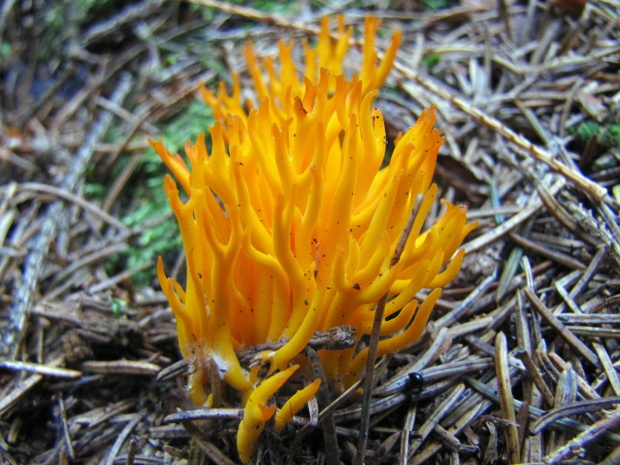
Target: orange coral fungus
{"x": 290, "y": 225}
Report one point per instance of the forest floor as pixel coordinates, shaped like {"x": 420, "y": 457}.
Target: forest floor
{"x": 528, "y": 100}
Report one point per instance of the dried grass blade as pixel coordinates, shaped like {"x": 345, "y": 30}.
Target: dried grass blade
{"x": 577, "y": 444}
{"x": 405, "y": 434}
{"x": 123, "y": 367}
{"x": 533, "y": 371}
{"x": 122, "y": 437}
{"x": 608, "y": 366}
{"x": 575, "y": 177}
{"x": 554, "y": 255}
{"x": 18, "y": 312}
{"x": 45, "y": 370}
{"x": 576, "y": 408}
{"x": 503, "y": 229}
{"x": 573, "y": 340}
{"x": 469, "y": 417}
{"x": 433, "y": 420}
{"x": 506, "y": 400}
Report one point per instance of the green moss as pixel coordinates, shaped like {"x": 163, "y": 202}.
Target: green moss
{"x": 436, "y": 4}
{"x": 188, "y": 124}
{"x": 152, "y": 242}
{"x": 270, "y": 6}
{"x": 608, "y": 135}
{"x": 152, "y": 202}
{"x": 144, "y": 199}
{"x": 431, "y": 60}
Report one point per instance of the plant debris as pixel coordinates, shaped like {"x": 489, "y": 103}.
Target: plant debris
{"x": 519, "y": 361}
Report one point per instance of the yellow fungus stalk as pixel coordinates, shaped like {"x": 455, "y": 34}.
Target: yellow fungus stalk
{"x": 258, "y": 410}
{"x": 295, "y": 404}
{"x": 290, "y": 224}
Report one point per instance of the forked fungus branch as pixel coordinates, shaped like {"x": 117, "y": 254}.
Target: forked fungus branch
{"x": 290, "y": 223}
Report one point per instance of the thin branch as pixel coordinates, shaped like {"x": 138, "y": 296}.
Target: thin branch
{"x": 373, "y": 345}
{"x": 56, "y": 214}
